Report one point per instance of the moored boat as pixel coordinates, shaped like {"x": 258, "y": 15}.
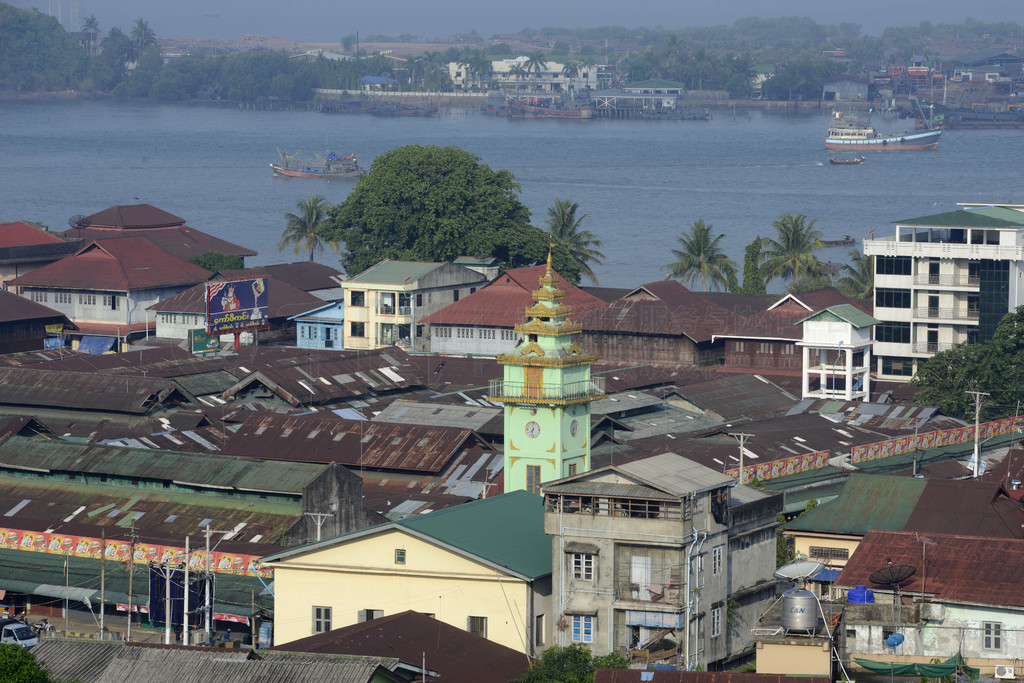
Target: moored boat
{"x": 543, "y": 109}
{"x": 855, "y": 134}
{"x": 330, "y": 166}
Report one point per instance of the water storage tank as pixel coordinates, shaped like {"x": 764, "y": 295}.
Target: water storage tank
{"x": 799, "y": 610}
{"x": 860, "y": 594}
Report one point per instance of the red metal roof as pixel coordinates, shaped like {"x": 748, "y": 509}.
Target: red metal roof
{"x": 503, "y": 302}
{"x": 21, "y": 234}
{"x": 14, "y": 307}
{"x": 664, "y": 308}
{"x": 454, "y": 653}
{"x": 636, "y": 675}
{"x": 178, "y": 240}
{"x": 354, "y": 443}
{"x": 115, "y": 329}
{"x": 128, "y": 264}
{"x": 963, "y": 569}
{"x": 133, "y": 216}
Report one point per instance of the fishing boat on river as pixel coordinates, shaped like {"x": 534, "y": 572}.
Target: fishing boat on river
{"x": 856, "y": 134}
{"x": 330, "y": 166}
{"x": 855, "y": 160}
{"x": 546, "y": 108}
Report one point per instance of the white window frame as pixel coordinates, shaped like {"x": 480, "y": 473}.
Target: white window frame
{"x": 482, "y": 621}
{"x": 321, "y": 619}
{"x": 716, "y": 560}
{"x": 583, "y": 566}
{"x": 716, "y": 622}
{"x": 992, "y": 635}
{"x": 582, "y": 628}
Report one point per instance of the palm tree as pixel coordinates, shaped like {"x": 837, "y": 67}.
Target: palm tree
{"x": 305, "y": 229}
{"x": 701, "y": 256}
{"x": 791, "y": 253}
{"x": 564, "y": 227}
{"x": 483, "y": 67}
{"x": 91, "y": 27}
{"x": 588, "y": 65}
{"x": 535, "y": 64}
{"x": 142, "y": 37}
{"x": 571, "y": 70}
{"x": 859, "y": 279}
{"x": 517, "y": 72}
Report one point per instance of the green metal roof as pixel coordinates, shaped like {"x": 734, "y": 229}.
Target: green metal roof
{"x": 506, "y": 530}
{"x": 389, "y": 272}
{"x": 655, "y": 83}
{"x": 963, "y": 219}
{"x": 29, "y": 572}
{"x": 1002, "y": 213}
{"x": 866, "y": 502}
{"x": 847, "y": 313}
{"x": 199, "y": 469}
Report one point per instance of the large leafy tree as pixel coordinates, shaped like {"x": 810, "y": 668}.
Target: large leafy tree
{"x": 995, "y": 367}
{"x": 20, "y": 666}
{"x": 791, "y": 252}
{"x": 583, "y": 246}
{"x": 858, "y": 278}
{"x": 426, "y": 203}
{"x": 701, "y": 258}
{"x": 306, "y": 230}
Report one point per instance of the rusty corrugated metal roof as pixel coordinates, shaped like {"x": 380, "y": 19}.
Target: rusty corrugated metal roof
{"x": 953, "y": 568}
{"x": 636, "y": 675}
{"x": 354, "y": 443}
{"x": 28, "y": 386}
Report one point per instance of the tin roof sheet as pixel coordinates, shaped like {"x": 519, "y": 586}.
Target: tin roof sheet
{"x": 962, "y": 219}
{"x": 354, "y": 443}
{"x": 28, "y": 386}
{"x": 454, "y": 653}
{"x": 21, "y": 234}
{"x": 960, "y": 568}
{"x": 128, "y": 264}
{"x": 393, "y": 272}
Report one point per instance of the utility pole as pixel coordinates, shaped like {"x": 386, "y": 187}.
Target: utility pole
{"x": 742, "y": 438}
{"x": 208, "y": 609}
{"x": 103, "y": 579}
{"x": 131, "y": 575}
{"x": 977, "y": 417}
{"x": 184, "y": 612}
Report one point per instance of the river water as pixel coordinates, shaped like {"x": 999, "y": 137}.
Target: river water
{"x": 642, "y": 182}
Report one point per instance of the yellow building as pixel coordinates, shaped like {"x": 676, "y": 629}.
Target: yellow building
{"x": 484, "y": 566}
{"x": 385, "y": 303}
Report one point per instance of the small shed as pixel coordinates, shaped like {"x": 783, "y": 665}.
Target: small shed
{"x": 322, "y": 327}
{"x": 844, "y": 88}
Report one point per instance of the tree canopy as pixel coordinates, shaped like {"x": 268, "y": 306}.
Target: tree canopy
{"x": 428, "y": 204}
{"x": 216, "y": 262}
{"x": 570, "y": 664}
{"x": 995, "y": 367}
{"x": 791, "y": 252}
{"x": 307, "y": 230}
{"x": 19, "y": 665}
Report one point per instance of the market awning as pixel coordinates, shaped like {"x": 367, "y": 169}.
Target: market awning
{"x": 953, "y": 665}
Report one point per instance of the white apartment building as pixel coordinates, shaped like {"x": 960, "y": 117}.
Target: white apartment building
{"x": 505, "y": 76}
{"x": 944, "y": 279}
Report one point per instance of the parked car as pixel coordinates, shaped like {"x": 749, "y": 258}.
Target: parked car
{"x": 14, "y": 632}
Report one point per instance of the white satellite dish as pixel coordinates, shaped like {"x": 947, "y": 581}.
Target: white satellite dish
{"x": 799, "y": 569}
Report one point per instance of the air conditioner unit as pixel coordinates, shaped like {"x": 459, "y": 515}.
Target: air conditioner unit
{"x": 1003, "y": 671}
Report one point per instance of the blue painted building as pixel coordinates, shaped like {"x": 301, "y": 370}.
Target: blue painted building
{"x": 321, "y": 328}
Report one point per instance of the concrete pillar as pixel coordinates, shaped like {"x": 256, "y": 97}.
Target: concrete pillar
{"x": 848, "y": 363}
{"x": 805, "y": 372}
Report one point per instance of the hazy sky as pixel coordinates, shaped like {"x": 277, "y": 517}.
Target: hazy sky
{"x": 329, "y": 20}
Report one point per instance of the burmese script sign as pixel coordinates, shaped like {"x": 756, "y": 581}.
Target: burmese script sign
{"x": 946, "y": 437}
{"x": 780, "y": 468}
{"x": 237, "y": 306}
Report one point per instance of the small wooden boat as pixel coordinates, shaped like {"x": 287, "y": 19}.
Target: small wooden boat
{"x": 855, "y": 160}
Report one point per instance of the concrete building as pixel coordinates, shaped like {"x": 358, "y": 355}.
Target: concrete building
{"x": 385, "y": 304}
{"x": 25, "y": 247}
{"x": 483, "y": 566}
{"x": 107, "y": 287}
{"x": 511, "y": 74}
{"x": 943, "y": 280}
{"x": 661, "y": 555}
{"x": 836, "y": 354}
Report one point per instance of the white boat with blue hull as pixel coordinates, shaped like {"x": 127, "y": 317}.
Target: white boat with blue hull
{"x": 855, "y": 134}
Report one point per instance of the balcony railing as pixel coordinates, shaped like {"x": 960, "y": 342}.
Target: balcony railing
{"x": 535, "y": 392}
{"x": 946, "y": 313}
{"x": 384, "y": 309}
{"x": 947, "y": 280}
{"x": 932, "y": 347}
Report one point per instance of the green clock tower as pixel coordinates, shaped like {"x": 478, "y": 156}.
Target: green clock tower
{"x": 546, "y": 389}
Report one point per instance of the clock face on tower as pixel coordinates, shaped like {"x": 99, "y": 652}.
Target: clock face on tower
{"x": 532, "y": 429}
{"x": 574, "y": 427}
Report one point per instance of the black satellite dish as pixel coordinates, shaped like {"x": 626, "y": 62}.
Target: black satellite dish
{"x": 78, "y": 221}
{"x": 894, "y": 575}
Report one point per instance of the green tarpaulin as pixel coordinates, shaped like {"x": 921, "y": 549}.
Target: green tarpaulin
{"x": 953, "y": 665}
